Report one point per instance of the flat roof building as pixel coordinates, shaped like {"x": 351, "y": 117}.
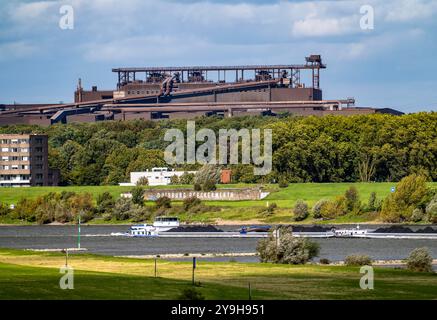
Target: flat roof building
{"x": 24, "y": 161}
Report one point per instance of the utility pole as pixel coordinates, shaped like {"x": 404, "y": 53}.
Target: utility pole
{"x": 194, "y": 267}
{"x": 250, "y": 292}
{"x": 78, "y": 234}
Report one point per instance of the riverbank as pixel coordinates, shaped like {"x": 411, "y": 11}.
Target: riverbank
{"x": 102, "y": 277}
{"x": 281, "y": 200}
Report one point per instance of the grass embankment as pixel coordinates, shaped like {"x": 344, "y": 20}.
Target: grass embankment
{"x": 236, "y": 211}
{"x": 31, "y": 275}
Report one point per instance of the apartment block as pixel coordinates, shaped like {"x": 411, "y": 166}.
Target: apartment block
{"x": 24, "y": 161}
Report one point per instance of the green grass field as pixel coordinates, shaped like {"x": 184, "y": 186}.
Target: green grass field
{"x": 30, "y": 275}
{"x": 310, "y": 192}
{"x": 236, "y": 211}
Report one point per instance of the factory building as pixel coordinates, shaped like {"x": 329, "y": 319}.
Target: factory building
{"x": 192, "y": 91}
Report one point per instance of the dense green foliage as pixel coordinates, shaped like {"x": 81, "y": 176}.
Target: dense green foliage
{"x": 60, "y": 207}
{"x": 311, "y": 149}
{"x": 411, "y": 193}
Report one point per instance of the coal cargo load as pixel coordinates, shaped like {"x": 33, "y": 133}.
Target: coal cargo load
{"x": 207, "y": 228}
{"x": 400, "y": 229}
{"x": 310, "y": 229}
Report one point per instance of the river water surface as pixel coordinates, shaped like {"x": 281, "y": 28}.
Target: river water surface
{"x": 97, "y": 239}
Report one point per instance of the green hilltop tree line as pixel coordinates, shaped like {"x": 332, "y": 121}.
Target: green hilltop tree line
{"x": 305, "y": 149}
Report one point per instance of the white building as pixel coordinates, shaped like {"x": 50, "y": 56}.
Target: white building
{"x": 156, "y": 177}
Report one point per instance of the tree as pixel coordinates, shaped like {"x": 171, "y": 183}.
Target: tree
{"x": 373, "y": 204}
{"x": 300, "y": 210}
{"x": 352, "y": 199}
{"x": 411, "y": 193}
{"x": 288, "y": 250}
{"x": 138, "y": 195}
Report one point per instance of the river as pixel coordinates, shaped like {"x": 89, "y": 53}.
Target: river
{"x": 97, "y": 239}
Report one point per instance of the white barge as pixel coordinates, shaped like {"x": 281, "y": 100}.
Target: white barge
{"x": 161, "y": 224}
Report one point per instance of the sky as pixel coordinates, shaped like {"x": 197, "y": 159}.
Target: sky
{"x": 391, "y": 65}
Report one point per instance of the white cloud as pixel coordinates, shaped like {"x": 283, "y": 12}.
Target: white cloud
{"x": 314, "y": 27}
{"x": 410, "y": 10}
{"x": 27, "y": 12}
{"x": 16, "y": 50}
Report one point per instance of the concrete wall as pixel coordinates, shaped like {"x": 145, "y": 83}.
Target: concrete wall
{"x": 220, "y": 194}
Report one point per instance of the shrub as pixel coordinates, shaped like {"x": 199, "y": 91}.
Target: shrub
{"x": 324, "y": 261}
{"x": 269, "y": 210}
{"x": 420, "y": 260}
{"x": 373, "y": 204}
{"x": 138, "y": 196}
{"x": 417, "y": 215}
{"x": 138, "y": 213}
{"x": 191, "y": 294}
{"x": 191, "y": 202}
{"x": 431, "y": 210}
{"x": 105, "y": 202}
{"x": 283, "y": 183}
{"x": 143, "y": 181}
{"x": 122, "y": 208}
{"x": 352, "y": 200}
{"x": 107, "y": 216}
{"x": 4, "y": 209}
{"x": 317, "y": 214}
{"x": 300, "y": 210}
{"x": 174, "y": 179}
{"x": 197, "y": 187}
{"x": 291, "y": 250}
{"x": 328, "y": 210}
{"x": 186, "y": 178}
{"x": 209, "y": 185}
{"x": 358, "y": 260}
{"x": 163, "y": 202}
